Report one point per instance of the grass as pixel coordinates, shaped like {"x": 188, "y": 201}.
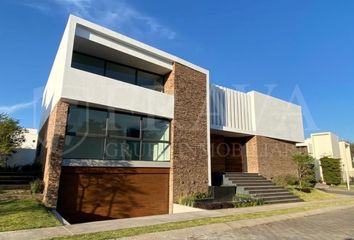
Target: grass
{"x": 343, "y": 186}
{"x": 199, "y": 222}
{"x": 25, "y": 214}
{"x": 314, "y": 195}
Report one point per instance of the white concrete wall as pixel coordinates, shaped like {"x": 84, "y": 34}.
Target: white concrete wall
{"x": 26, "y": 153}
{"x": 346, "y": 160}
{"x": 95, "y": 89}
{"x": 255, "y": 114}
{"x": 53, "y": 89}
{"x": 276, "y": 118}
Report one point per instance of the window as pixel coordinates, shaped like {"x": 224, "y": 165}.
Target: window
{"x": 98, "y": 134}
{"x": 123, "y": 125}
{"x": 156, "y": 129}
{"x": 88, "y": 63}
{"x": 84, "y": 147}
{"x": 118, "y": 71}
{"x": 151, "y": 81}
{"x": 119, "y": 149}
{"x": 156, "y": 151}
{"x": 122, "y": 73}
{"x": 86, "y": 121}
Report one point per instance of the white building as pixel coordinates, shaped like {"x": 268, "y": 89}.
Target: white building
{"x": 327, "y": 144}
{"x": 26, "y": 153}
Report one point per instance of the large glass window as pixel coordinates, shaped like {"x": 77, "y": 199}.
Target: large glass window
{"x": 156, "y": 151}
{"x": 151, "y": 81}
{"x": 156, "y": 129}
{"x": 88, "y": 63}
{"x": 98, "y": 134}
{"x": 86, "y": 121}
{"x": 118, "y": 71}
{"x": 123, "y": 125}
{"x": 84, "y": 147}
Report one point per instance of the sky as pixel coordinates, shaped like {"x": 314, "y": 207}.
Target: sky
{"x": 297, "y": 50}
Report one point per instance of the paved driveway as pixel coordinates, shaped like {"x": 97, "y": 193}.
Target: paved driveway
{"x": 337, "y": 224}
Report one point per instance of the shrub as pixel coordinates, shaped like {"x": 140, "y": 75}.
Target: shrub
{"x": 213, "y": 205}
{"x": 285, "y": 181}
{"x": 305, "y": 170}
{"x": 37, "y": 186}
{"x": 190, "y": 200}
{"x": 246, "y": 200}
{"x": 331, "y": 169}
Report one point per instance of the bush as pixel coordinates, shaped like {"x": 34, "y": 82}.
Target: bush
{"x": 331, "y": 169}
{"x": 190, "y": 200}
{"x": 37, "y": 186}
{"x": 305, "y": 170}
{"x": 213, "y": 205}
{"x": 246, "y": 200}
{"x": 284, "y": 181}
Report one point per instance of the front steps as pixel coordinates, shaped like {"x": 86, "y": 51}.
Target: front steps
{"x": 15, "y": 181}
{"x": 258, "y": 186}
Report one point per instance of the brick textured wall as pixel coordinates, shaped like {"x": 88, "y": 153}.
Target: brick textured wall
{"x": 189, "y": 139}
{"x": 51, "y": 139}
{"x": 270, "y": 157}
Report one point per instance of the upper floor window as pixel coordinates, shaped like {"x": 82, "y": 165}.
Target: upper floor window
{"x": 118, "y": 71}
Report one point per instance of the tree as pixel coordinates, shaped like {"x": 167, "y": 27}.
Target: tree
{"x": 331, "y": 168}
{"x": 305, "y": 170}
{"x": 11, "y": 136}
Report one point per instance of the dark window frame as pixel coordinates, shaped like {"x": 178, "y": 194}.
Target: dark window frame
{"x": 124, "y": 65}
{"x": 106, "y": 136}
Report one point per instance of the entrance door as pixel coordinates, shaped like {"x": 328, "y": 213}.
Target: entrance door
{"x": 233, "y": 160}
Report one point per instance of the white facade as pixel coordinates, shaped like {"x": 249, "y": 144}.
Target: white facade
{"x": 26, "y": 153}
{"x": 254, "y": 113}
{"x": 327, "y": 144}
{"x": 75, "y": 86}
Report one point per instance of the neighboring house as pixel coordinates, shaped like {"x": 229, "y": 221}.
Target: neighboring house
{"x": 127, "y": 129}
{"x": 327, "y": 144}
{"x": 26, "y": 153}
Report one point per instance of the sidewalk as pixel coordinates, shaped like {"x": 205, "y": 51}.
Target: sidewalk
{"x": 43, "y": 233}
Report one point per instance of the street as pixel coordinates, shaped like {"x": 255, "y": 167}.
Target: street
{"x": 337, "y": 224}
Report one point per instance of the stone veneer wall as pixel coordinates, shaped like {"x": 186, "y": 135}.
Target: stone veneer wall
{"x": 51, "y": 140}
{"x": 270, "y": 157}
{"x": 189, "y": 129}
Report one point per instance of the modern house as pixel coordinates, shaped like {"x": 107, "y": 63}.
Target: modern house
{"x": 127, "y": 129}
{"x": 327, "y": 144}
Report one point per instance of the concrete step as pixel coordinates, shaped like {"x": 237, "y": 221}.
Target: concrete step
{"x": 266, "y": 194}
{"x": 238, "y": 174}
{"x": 259, "y": 178}
{"x": 15, "y": 182}
{"x": 16, "y": 177}
{"x": 267, "y": 191}
{"x": 278, "y": 197}
{"x": 270, "y": 187}
{"x": 15, "y": 187}
{"x": 285, "y": 200}
{"x": 253, "y": 184}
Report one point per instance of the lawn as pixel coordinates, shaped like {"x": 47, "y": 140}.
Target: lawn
{"x": 314, "y": 195}
{"x": 26, "y": 213}
{"x": 344, "y": 187}
{"x": 200, "y": 222}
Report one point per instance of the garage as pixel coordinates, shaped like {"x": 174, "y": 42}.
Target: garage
{"x": 102, "y": 193}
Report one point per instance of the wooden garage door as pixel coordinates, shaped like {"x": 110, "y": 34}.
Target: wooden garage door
{"x": 99, "y": 193}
